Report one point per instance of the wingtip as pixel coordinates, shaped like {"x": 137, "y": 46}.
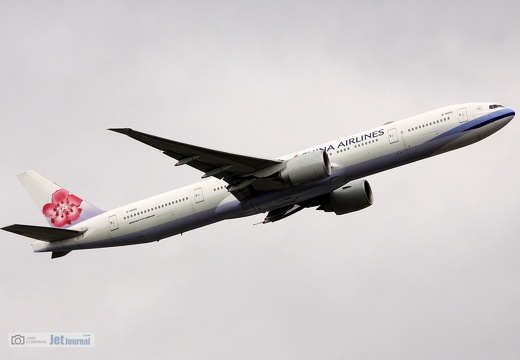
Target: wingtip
{"x": 120, "y": 130}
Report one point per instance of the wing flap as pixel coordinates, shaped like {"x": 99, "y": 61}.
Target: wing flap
{"x": 282, "y": 213}
{"x": 43, "y": 233}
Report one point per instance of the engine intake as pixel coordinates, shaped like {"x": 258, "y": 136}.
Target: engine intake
{"x": 306, "y": 168}
{"x": 354, "y": 196}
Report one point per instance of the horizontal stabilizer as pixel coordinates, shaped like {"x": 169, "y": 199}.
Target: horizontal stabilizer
{"x": 43, "y": 233}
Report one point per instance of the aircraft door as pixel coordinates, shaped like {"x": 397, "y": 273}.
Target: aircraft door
{"x": 199, "y": 197}
{"x": 392, "y": 136}
{"x": 112, "y": 223}
{"x": 463, "y": 115}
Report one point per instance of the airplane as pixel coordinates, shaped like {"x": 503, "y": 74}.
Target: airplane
{"x": 329, "y": 177}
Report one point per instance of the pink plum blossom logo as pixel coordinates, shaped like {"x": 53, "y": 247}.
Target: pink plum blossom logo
{"x": 64, "y": 208}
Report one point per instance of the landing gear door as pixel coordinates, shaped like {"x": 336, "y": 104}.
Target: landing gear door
{"x": 463, "y": 115}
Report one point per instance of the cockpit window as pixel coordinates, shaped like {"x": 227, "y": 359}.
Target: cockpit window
{"x": 496, "y": 106}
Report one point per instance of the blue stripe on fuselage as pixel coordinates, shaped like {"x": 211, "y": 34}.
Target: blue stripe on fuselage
{"x": 477, "y": 123}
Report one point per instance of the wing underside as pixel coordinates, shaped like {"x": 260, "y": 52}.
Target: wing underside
{"x": 245, "y": 175}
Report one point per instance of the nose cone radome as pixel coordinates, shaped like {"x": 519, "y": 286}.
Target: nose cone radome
{"x": 508, "y": 115}
{"x": 498, "y": 120}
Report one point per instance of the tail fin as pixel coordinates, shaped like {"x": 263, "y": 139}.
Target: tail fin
{"x": 61, "y": 208}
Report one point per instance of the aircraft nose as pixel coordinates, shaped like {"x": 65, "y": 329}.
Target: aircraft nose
{"x": 506, "y": 117}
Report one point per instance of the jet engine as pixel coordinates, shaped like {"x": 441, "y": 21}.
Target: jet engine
{"x": 355, "y": 195}
{"x": 306, "y": 168}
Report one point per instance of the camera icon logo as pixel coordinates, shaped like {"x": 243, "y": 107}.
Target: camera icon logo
{"x": 17, "y": 340}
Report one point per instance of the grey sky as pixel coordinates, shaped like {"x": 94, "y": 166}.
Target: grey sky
{"x": 429, "y": 271}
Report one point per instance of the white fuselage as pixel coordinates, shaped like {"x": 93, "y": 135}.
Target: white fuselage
{"x": 352, "y": 157}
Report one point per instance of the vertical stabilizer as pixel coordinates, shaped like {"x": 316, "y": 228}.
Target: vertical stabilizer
{"x": 61, "y": 208}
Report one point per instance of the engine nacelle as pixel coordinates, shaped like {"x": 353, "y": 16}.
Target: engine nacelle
{"x": 355, "y": 195}
{"x": 306, "y": 168}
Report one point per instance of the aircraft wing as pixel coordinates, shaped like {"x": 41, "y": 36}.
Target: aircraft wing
{"x": 245, "y": 175}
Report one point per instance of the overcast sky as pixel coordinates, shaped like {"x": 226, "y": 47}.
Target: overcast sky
{"x": 430, "y": 271}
